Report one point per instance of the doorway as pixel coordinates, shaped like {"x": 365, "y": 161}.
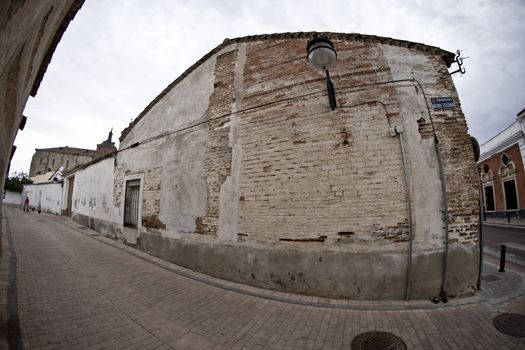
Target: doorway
{"x": 511, "y": 195}
{"x": 70, "y": 187}
{"x": 131, "y": 203}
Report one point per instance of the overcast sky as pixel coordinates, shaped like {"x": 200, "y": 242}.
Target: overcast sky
{"x": 117, "y": 55}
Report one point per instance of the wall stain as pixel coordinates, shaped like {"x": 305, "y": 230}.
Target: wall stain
{"x": 152, "y": 221}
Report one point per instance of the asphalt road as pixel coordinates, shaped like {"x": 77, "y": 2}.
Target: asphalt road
{"x": 512, "y": 236}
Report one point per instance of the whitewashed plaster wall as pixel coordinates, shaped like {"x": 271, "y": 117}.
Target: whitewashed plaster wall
{"x": 48, "y": 196}
{"x": 13, "y": 198}
{"x": 186, "y": 103}
{"x": 423, "y": 163}
{"x": 93, "y": 192}
{"x": 180, "y": 154}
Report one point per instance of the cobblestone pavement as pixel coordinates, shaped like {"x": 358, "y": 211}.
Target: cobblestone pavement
{"x": 79, "y": 290}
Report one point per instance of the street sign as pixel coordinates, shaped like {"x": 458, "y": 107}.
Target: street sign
{"x": 443, "y": 103}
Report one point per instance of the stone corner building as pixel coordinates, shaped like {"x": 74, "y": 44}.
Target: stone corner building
{"x": 240, "y": 169}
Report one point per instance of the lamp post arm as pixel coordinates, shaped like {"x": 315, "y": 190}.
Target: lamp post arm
{"x": 331, "y": 90}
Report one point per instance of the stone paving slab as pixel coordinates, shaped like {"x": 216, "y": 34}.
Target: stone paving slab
{"x": 78, "y": 291}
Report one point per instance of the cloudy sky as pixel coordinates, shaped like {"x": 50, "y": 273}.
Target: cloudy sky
{"x": 117, "y": 55}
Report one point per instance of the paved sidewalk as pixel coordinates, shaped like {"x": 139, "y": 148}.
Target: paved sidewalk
{"x": 504, "y": 221}
{"x": 79, "y": 290}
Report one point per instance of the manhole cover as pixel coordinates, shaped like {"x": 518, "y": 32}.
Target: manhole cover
{"x": 378, "y": 341}
{"x": 510, "y": 324}
{"x": 490, "y": 278}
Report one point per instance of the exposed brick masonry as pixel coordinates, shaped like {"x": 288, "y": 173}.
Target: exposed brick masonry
{"x": 151, "y": 199}
{"x": 217, "y": 165}
{"x": 461, "y": 174}
{"x": 312, "y": 176}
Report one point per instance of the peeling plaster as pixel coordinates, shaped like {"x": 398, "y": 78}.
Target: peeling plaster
{"x": 229, "y": 193}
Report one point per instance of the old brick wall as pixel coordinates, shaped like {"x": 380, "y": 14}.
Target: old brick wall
{"x": 312, "y": 175}
{"x": 336, "y": 179}
{"x": 309, "y": 174}
{"x": 268, "y": 173}
{"x": 151, "y": 199}
{"x": 217, "y": 165}
{"x": 458, "y": 156}
{"x": 422, "y": 76}
{"x": 118, "y": 183}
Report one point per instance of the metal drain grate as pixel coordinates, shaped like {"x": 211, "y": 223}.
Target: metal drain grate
{"x": 378, "y": 341}
{"x": 510, "y": 324}
{"x": 490, "y": 278}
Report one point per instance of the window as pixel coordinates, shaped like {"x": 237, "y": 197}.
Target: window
{"x": 67, "y": 164}
{"x": 505, "y": 159}
{"x": 486, "y": 175}
{"x": 511, "y": 195}
{"x": 489, "y": 198}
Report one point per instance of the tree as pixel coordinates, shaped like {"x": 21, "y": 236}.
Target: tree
{"x": 16, "y": 181}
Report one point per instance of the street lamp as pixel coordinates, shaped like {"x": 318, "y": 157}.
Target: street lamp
{"x": 322, "y": 55}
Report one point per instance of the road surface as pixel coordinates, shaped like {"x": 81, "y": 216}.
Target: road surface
{"x": 78, "y": 290}
{"x": 511, "y": 236}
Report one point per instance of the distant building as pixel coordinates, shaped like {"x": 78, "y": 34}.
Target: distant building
{"x": 501, "y": 165}
{"x": 51, "y": 159}
{"x": 107, "y": 146}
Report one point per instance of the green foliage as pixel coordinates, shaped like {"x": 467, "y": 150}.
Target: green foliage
{"x": 16, "y": 181}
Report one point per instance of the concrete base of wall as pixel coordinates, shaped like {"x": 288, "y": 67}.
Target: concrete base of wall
{"x": 333, "y": 274}
{"x": 106, "y": 228}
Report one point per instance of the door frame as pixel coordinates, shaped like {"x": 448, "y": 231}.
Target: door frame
{"x": 141, "y": 191}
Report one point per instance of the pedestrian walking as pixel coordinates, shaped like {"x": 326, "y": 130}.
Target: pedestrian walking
{"x": 26, "y": 204}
